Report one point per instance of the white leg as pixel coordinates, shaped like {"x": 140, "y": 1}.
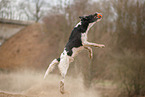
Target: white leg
{"x": 63, "y": 67}
{"x": 93, "y": 44}
{"x": 51, "y": 67}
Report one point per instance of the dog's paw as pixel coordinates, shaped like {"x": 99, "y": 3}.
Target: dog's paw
{"x": 91, "y": 55}
{"x": 62, "y": 87}
{"x": 101, "y": 45}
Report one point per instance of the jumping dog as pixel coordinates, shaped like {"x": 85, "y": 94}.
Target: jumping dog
{"x": 76, "y": 43}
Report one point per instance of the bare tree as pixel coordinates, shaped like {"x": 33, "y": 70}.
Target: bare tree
{"x": 3, "y": 8}
{"x": 34, "y": 10}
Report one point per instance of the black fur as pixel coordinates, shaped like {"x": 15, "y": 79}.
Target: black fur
{"x": 75, "y": 37}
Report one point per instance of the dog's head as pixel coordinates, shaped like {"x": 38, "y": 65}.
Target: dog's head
{"x": 91, "y": 18}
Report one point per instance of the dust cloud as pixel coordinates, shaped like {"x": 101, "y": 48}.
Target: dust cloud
{"x": 31, "y": 84}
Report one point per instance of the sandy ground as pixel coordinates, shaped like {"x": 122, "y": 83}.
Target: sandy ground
{"x": 31, "y": 84}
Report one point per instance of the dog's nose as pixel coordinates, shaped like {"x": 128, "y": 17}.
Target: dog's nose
{"x": 99, "y": 15}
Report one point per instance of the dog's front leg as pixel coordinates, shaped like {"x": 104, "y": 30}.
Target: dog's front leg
{"x": 90, "y": 51}
{"x": 86, "y": 43}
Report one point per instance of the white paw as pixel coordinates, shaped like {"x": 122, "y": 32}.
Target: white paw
{"x": 101, "y": 46}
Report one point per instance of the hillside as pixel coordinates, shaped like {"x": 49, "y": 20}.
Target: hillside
{"x": 29, "y": 48}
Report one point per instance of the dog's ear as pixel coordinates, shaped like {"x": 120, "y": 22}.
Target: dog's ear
{"x": 81, "y": 17}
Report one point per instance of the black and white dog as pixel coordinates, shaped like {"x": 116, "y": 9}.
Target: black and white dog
{"x": 77, "y": 42}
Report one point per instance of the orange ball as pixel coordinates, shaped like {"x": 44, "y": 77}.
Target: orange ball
{"x": 99, "y": 15}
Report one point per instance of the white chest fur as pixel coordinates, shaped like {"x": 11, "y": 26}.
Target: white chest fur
{"x": 90, "y": 25}
{"x": 84, "y": 37}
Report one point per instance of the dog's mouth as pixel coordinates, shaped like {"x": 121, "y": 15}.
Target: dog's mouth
{"x": 98, "y": 16}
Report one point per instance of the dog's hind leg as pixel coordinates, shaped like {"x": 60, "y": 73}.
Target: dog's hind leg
{"x": 63, "y": 67}
{"x": 51, "y": 66}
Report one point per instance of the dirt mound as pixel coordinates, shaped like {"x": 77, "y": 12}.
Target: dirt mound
{"x": 31, "y": 48}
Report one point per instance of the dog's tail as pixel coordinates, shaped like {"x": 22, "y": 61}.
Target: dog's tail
{"x": 51, "y": 66}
